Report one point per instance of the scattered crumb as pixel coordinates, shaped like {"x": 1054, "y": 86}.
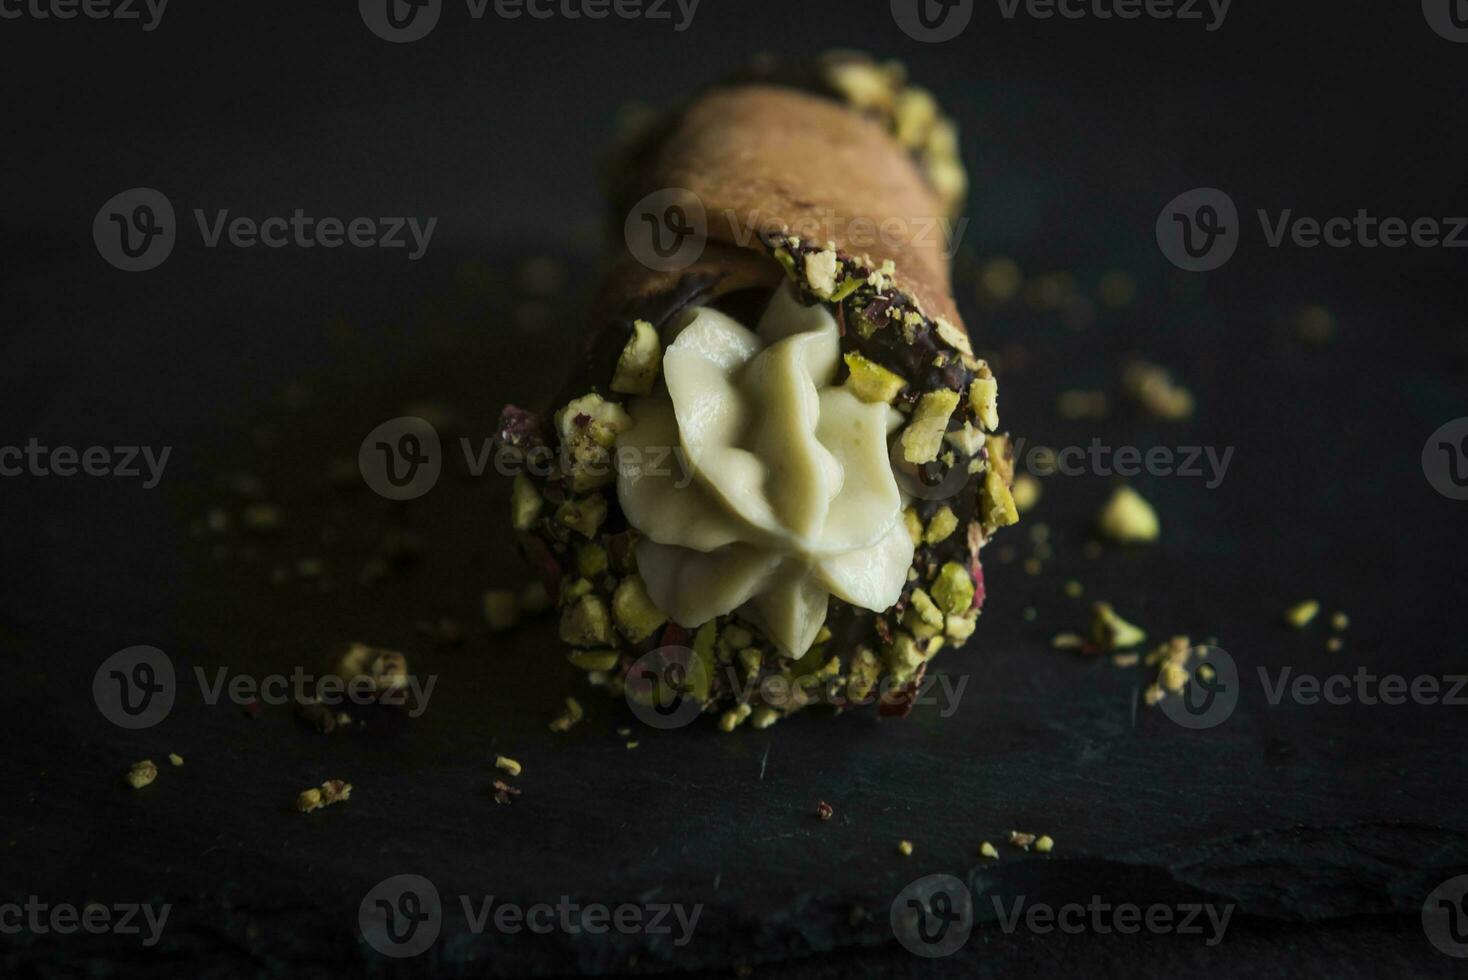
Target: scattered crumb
{"x": 904, "y": 847}
{"x": 1030, "y": 614}
{"x": 1340, "y": 622}
{"x": 1021, "y": 840}
{"x": 534, "y": 600}
{"x": 1335, "y": 644}
{"x": 1045, "y": 844}
{"x": 1110, "y": 632}
{"x": 509, "y": 765}
{"x": 386, "y": 669}
{"x": 1152, "y": 387}
{"x": 503, "y": 791}
{"x": 633, "y": 745}
{"x": 316, "y": 716}
{"x": 1074, "y": 589}
{"x": 501, "y": 609}
{"x": 823, "y": 810}
{"x": 1171, "y": 660}
{"x": 1026, "y": 492}
{"x": 1067, "y": 641}
{"x": 261, "y": 518}
{"x": 1302, "y": 614}
{"x": 570, "y": 716}
{"x": 1117, "y": 289}
{"x": 1315, "y": 325}
{"x": 142, "y": 774}
{"x": 309, "y": 567}
{"x": 175, "y": 760}
{"x": 1126, "y": 659}
{"x": 1128, "y": 518}
{"x": 624, "y": 731}
{"x": 1075, "y": 404}
{"x": 332, "y": 791}
{"x": 988, "y": 850}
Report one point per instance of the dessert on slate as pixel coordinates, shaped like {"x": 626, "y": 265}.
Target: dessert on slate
{"x": 781, "y": 458}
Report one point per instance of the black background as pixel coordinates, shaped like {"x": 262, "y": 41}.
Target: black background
{"x": 1326, "y": 826}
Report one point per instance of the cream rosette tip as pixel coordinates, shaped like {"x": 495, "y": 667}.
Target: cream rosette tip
{"x": 756, "y": 483}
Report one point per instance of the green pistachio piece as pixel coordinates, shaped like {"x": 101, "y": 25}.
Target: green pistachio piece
{"x": 983, "y": 398}
{"x": 637, "y": 367}
{"x": 923, "y": 616}
{"x": 848, "y": 286}
{"x": 525, "y": 503}
{"x": 997, "y": 504}
{"x": 587, "y": 623}
{"x": 634, "y": 611}
{"x": 871, "y": 382}
{"x": 595, "y": 659}
{"x": 954, "y": 589}
{"x": 960, "y": 628}
{"x": 501, "y": 609}
{"x": 865, "y": 670}
{"x": 591, "y": 559}
{"x": 914, "y": 525}
{"x": 573, "y": 589}
{"x": 764, "y": 716}
{"x": 589, "y": 426}
{"x": 943, "y": 524}
{"x": 924, "y": 435}
{"x": 1110, "y": 632}
{"x": 584, "y": 514}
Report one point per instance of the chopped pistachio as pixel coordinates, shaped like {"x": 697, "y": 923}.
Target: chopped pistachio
{"x": 589, "y": 426}
{"x": 1301, "y": 614}
{"x": 637, "y": 366}
{"x": 764, "y": 716}
{"x": 863, "y": 675}
{"x": 142, "y": 774}
{"x": 983, "y": 398}
{"x": 923, "y": 617}
{"x": 1128, "y": 518}
{"x": 988, "y": 850}
{"x": 924, "y": 435}
{"x": 525, "y": 502}
{"x": 1153, "y": 388}
{"x": 501, "y": 609}
{"x": 997, "y": 503}
{"x": 1110, "y": 632}
{"x": 904, "y": 655}
{"x": 959, "y": 628}
{"x": 914, "y": 525}
{"x": 870, "y": 381}
{"x": 1026, "y": 492}
{"x": 751, "y": 660}
{"x": 1045, "y": 844}
{"x": 572, "y": 714}
{"x": 737, "y": 637}
{"x": 584, "y": 514}
{"x": 1000, "y": 459}
{"x": 594, "y": 659}
{"x": 820, "y": 272}
{"x": 634, "y": 611}
{"x": 1020, "y": 839}
{"x": 967, "y": 440}
{"x": 955, "y": 337}
{"x": 953, "y": 589}
{"x": 848, "y": 286}
{"x": 734, "y": 717}
{"x": 509, "y": 765}
{"x": 586, "y": 623}
{"x": 573, "y": 589}
{"x": 1335, "y": 644}
{"x": 1340, "y": 622}
{"x": 175, "y": 760}
{"x": 591, "y": 559}
{"x": 904, "y": 847}
{"x": 1074, "y": 589}
{"x": 943, "y": 524}
{"x": 1067, "y": 641}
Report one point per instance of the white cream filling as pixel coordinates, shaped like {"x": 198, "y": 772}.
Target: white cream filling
{"x": 791, "y": 497}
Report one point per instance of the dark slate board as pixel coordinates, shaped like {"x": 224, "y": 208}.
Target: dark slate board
{"x": 1326, "y": 826}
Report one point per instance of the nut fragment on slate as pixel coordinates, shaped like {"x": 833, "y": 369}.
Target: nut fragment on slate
{"x": 1153, "y": 388}
{"x": 1021, "y": 840}
{"x": 142, "y": 774}
{"x": 501, "y": 609}
{"x": 175, "y": 760}
{"x": 824, "y": 810}
{"x": 503, "y": 791}
{"x": 904, "y": 847}
{"x": 1302, "y": 614}
{"x": 570, "y": 716}
{"x": 988, "y": 850}
{"x": 1110, "y": 632}
{"x": 1128, "y": 518}
{"x": 509, "y": 765}
{"x": 332, "y": 791}
{"x": 1045, "y": 844}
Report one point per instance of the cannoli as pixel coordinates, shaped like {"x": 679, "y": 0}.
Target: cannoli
{"x": 777, "y": 460}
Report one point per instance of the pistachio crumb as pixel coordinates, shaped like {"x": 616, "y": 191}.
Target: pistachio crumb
{"x": 1128, "y": 518}
{"x": 509, "y": 765}
{"x": 1340, "y": 622}
{"x": 568, "y": 717}
{"x": 175, "y": 760}
{"x": 142, "y": 774}
{"x": 988, "y": 850}
{"x": 1021, "y": 840}
{"x": 904, "y": 847}
{"x": 824, "y": 810}
{"x": 1045, "y": 844}
{"x": 1301, "y": 614}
